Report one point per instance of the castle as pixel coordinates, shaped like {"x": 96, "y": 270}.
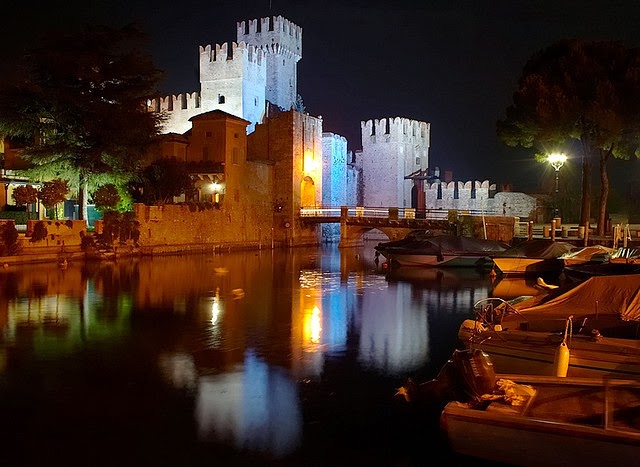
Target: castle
{"x": 258, "y": 73}
{"x": 261, "y": 158}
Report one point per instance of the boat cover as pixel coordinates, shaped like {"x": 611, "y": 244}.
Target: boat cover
{"x": 542, "y": 248}
{"x": 588, "y": 253}
{"x": 604, "y": 295}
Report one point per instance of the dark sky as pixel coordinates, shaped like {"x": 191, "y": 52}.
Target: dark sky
{"x": 452, "y": 63}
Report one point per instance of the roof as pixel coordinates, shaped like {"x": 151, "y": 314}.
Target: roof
{"x": 217, "y": 115}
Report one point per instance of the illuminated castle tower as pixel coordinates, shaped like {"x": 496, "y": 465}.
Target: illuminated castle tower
{"x": 239, "y": 78}
{"x": 391, "y": 149}
{"x": 281, "y": 42}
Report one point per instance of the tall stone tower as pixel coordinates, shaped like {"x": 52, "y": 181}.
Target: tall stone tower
{"x": 281, "y": 42}
{"x": 239, "y": 77}
{"x": 233, "y": 79}
{"x": 391, "y": 149}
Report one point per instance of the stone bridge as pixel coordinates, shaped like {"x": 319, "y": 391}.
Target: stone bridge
{"x": 396, "y": 223}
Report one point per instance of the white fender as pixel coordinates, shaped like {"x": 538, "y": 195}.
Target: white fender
{"x": 561, "y": 361}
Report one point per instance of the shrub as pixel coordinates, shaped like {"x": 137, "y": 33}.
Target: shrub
{"x": 19, "y": 216}
{"x": 39, "y": 232}
{"x": 9, "y": 235}
{"x": 106, "y": 197}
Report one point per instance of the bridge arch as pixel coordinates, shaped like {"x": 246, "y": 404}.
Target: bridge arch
{"x": 353, "y": 235}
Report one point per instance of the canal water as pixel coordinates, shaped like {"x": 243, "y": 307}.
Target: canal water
{"x": 265, "y": 357}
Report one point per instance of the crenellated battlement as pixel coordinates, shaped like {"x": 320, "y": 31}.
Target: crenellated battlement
{"x": 221, "y": 53}
{"x": 468, "y": 185}
{"x": 274, "y": 34}
{"x": 183, "y": 101}
{"x": 397, "y": 128}
{"x": 469, "y": 195}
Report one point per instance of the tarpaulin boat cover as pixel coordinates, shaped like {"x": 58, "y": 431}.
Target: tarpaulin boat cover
{"x": 443, "y": 244}
{"x": 604, "y": 295}
{"x": 588, "y": 253}
{"x": 542, "y": 248}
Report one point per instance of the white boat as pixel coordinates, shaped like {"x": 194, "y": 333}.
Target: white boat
{"x": 554, "y": 421}
{"x": 596, "y": 322}
{"x": 422, "y": 249}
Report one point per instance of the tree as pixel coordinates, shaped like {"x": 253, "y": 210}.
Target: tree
{"x": 81, "y": 98}
{"x": 25, "y": 194}
{"x": 106, "y": 197}
{"x": 556, "y": 103}
{"x": 164, "y": 179}
{"x": 52, "y": 193}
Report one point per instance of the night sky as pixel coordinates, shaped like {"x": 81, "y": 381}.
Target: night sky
{"x": 454, "y": 64}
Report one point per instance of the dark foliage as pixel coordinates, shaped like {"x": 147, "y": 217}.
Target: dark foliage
{"x": 9, "y": 235}
{"x": 39, "y": 232}
{"x": 84, "y": 95}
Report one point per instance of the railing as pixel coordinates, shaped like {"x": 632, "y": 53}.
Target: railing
{"x": 387, "y": 212}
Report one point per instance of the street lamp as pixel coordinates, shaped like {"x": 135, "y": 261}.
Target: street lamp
{"x": 557, "y": 160}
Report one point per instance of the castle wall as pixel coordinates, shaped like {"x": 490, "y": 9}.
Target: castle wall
{"x": 292, "y": 142}
{"x": 177, "y": 110}
{"x": 391, "y": 149}
{"x": 478, "y": 196}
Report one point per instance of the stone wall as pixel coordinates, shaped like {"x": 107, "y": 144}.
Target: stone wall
{"x": 478, "y": 196}
{"x": 59, "y": 233}
{"x": 181, "y": 224}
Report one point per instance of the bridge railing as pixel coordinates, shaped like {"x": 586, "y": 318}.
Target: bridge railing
{"x": 386, "y": 212}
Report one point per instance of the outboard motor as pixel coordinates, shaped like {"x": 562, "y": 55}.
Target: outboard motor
{"x": 466, "y": 376}
{"x": 474, "y": 373}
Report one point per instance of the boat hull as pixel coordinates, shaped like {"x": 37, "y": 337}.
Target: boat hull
{"x": 555, "y": 428}
{"x": 525, "y": 266}
{"x": 440, "y": 261}
{"x": 532, "y": 352}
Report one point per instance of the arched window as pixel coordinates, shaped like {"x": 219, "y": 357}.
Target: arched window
{"x": 220, "y": 99}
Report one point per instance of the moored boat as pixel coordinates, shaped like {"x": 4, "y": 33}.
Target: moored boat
{"x": 592, "y": 328}
{"x": 536, "y": 256}
{"x": 532, "y": 420}
{"x": 554, "y": 421}
{"x": 422, "y": 249}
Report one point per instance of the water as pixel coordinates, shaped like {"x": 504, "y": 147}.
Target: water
{"x": 281, "y": 358}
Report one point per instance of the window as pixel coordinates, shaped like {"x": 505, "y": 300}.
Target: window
{"x": 234, "y": 156}
{"x": 208, "y": 134}
{"x": 418, "y": 160}
{"x": 236, "y": 135}
{"x": 205, "y": 153}
{"x": 220, "y": 99}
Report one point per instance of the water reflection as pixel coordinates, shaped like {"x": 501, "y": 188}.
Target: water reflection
{"x": 255, "y": 406}
{"x": 177, "y": 327}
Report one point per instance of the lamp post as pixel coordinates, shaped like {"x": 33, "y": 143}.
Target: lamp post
{"x": 557, "y": 160}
